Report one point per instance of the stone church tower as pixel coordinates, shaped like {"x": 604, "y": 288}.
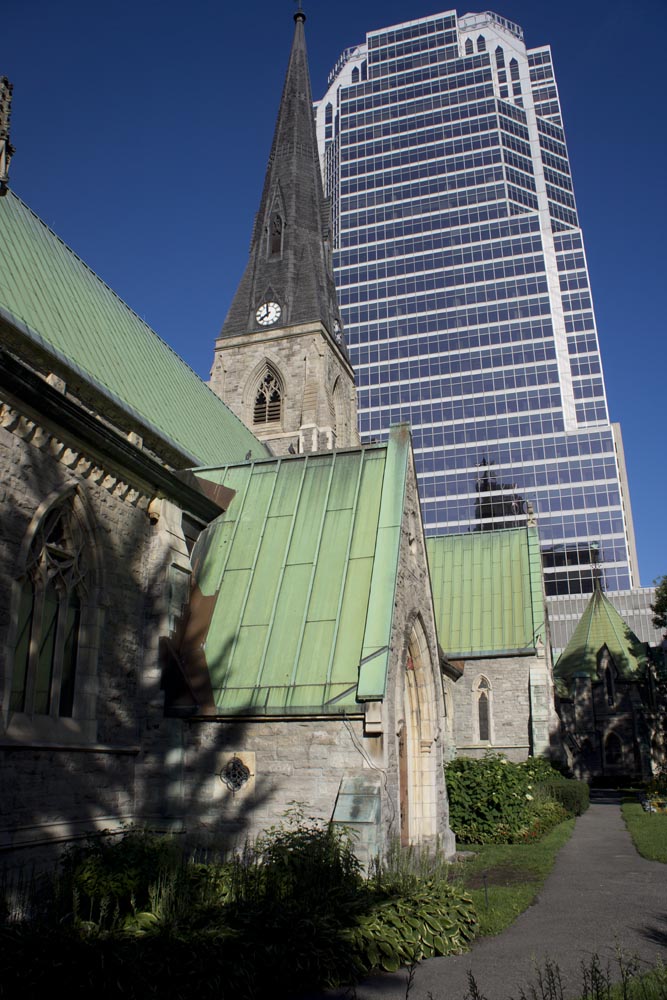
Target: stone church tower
{"x": 280, "y": 361}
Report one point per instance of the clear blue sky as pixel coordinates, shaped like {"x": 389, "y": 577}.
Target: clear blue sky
{"x": 142, "y": 131}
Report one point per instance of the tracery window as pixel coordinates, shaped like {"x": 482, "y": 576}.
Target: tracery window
{"x": 482, "y": 703}
{"x": 269, "y": 399}
{"x": 49, "y": 617}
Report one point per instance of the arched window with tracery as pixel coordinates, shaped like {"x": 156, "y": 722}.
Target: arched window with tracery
{"x": 268, "y": 403}
{"x": 53, "y": 590}
{"x": 482, "y": 709}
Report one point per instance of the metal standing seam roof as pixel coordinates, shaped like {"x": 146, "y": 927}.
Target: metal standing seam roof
{"x": 303, "y": 566}
{"x": 52, "y": 297}
{"x": 600, "y": 625}
{"x": 487, "y": 592}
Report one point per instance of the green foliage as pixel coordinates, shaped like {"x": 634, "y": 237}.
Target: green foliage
{"x": 659, "y": 603}
{"x": 292, "y": 910}
{"x": 432, "y": 919}
{"x": 573, "y": 795}
{"x": 493, "y": 801}
{"x": 111, "y": 877}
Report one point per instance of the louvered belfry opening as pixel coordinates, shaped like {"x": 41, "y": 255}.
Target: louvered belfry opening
{"x": 269, "y": 400}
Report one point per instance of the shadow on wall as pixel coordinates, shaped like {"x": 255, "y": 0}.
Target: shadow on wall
{"x": 133, "y": 767}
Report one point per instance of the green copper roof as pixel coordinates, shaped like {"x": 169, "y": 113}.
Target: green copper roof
{"x": 298, "y": 579}
{"x": 487, "y": 591}
{"x": 55, "y": 300}
{"x": 600, "y": 625}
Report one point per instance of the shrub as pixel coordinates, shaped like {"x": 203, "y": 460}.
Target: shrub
{"x": 573, "y": 795}
{"x": 492, "y": 801}
{"x": 292, "y": 909}
{"x": 111, "y": 877}
{"x": 489, "y": 799}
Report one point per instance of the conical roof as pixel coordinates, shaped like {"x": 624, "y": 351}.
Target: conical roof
{"x": 599, "y": 626}
{"x": 290, "y": 254}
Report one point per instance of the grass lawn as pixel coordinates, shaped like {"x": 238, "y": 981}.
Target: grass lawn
{"x": 648, "y": 830}
{"x": 509, "y": 876}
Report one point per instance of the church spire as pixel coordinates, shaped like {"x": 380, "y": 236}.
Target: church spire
{"x": 280, "y": 360}
{"x": 288, "y": 280}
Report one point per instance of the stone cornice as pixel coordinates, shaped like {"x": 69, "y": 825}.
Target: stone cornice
{"x": 62, "y": 425}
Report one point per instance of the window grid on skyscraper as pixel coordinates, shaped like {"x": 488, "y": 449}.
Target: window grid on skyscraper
{"x": 464, "y": 286}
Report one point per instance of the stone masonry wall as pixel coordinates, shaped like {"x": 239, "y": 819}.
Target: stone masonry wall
{"x": 309, "y": 368}
{"x": 62, "y": 777}
{"x": 509, "y": 678}
{"x": 289, "y": 760}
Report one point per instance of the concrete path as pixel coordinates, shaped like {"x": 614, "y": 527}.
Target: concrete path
{"x": 601, "y": 897}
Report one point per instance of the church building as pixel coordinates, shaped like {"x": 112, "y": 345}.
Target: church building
{"x": 211, "y": 609}
{"x": 215, "y": 601}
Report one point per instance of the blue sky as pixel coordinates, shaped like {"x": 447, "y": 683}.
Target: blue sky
{"x": 142, "y": 131}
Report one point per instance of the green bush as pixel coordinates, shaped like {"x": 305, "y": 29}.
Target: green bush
{"x": 110, "y": 876}
{"x": 573, "y": 795}
{"x": 489, "y": 799}
{"x": 492, "y": 801}
{"x": 291, "y": 911}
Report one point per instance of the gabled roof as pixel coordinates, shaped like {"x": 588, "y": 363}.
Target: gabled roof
{"x": 487, "y": 591}
{"x": 600, "y": 625}
{"x": 60, "y": 306}
{"x": 300, "y": 274}
{"x": 294, "y": 583}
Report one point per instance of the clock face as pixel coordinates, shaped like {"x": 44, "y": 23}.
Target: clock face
{"x": 268, "y": 313}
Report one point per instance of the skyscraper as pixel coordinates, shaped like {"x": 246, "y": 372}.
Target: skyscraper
{"x": 464, "y": 287}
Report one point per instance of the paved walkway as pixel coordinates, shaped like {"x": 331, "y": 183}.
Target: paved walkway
{"x": 601, "y": 897}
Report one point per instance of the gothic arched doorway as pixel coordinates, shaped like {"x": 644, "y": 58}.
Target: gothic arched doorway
{"x": 417, "y": 730}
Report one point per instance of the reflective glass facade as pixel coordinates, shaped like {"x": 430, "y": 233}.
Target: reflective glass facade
{"x": 464, "y": 288}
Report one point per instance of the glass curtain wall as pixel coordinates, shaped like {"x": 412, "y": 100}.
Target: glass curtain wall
{"x": 464, "y": 288}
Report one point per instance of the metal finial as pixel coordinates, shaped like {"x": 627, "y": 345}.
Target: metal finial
{"x": 299, "y": 16}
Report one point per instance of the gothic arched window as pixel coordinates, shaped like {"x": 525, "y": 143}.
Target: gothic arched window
{"x": 355, "y": 75}
{"x": 481, "y": 43}
{"x": 500, "y": 57}
{"x": 52, "y": 591}
{"x": 267, "y": 408}
{"x": 482, "y": 709}
{"x": 469, "y": 46}
{"x": 276, "y": 235}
